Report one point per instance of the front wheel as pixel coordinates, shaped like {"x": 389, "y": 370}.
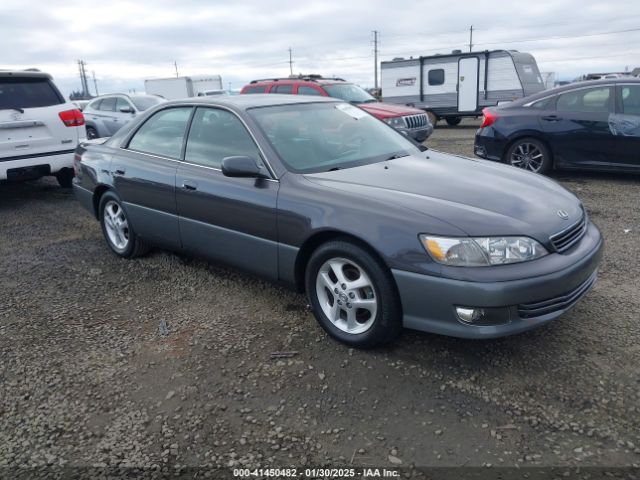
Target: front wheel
{"x": 453, "y": 121}
{"x": 91, "y": 133}
{"x": 117, "y": 229}
{"x": 353, "y": 295}
{"x": 529, "y": 154}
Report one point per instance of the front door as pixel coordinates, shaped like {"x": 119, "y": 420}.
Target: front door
{"x": 228, "y": 220}
{"x": 145, "y": 175}
{"x": 578, "y": 128}
{"x": 468, "y": 70}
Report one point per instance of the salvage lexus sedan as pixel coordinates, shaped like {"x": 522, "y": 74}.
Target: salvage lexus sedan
{"x": 319, "y": 195}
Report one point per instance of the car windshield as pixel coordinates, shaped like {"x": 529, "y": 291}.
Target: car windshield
{"x": 349, "y": 93}
{"x": 318, "y": 137}
{"x": 143, "y": 103}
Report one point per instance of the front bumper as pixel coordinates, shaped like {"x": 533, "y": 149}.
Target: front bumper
{"x": 418, "y": 134}
{"x": 429, "y": 302}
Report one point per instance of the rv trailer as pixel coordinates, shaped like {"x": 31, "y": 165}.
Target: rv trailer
{"x": 460, "y": 84}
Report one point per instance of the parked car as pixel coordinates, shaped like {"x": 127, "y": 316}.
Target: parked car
{"x": 39, "y": 129}
{"x": 106, "y": 114}
{"x": 319, "y": 195}
{"x": 592, "y": 125}
{"x": 408, "y": 120}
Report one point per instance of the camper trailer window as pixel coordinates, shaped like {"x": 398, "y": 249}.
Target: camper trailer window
{"x": 436, "y": 77}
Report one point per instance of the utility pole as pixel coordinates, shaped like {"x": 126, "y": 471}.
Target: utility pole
{"x": 471, "y": 39}
{"x": 95, "y": 82}
{"x": 175, "y": 64}
{"x": 290, "y": 63}
{"x": 83, "y": 78}
{"x": 375, "y": 58}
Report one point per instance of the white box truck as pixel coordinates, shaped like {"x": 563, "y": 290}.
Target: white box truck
{"x": 183, "y": 87}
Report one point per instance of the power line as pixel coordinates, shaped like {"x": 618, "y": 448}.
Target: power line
{"x": 560, "y": 37}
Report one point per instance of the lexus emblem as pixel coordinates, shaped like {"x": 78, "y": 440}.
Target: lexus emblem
{"x": 563, "y": 215}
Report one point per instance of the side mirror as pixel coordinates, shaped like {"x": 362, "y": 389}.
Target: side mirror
{"x": 244, "y": 167}
{"x": 126, "y": 110}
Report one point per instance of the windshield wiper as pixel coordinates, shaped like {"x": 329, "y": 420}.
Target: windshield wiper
{"x": 21, "y": 110}
{"x": 397, "y": 155}
{"x": 333, "y": 169}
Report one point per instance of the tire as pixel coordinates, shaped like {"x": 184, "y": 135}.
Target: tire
{"x": 361, "y": 279}
{"x": 433, "y": 118}
{"x": 65, "y": 177}
{"x": 529, "y": 154}
{"x": 117, "y": 229}
{"x": 453, "y": 121}
{"x": 92, "y": 133}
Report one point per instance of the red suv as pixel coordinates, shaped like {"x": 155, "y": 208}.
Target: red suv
{"x": 408, "y": 120}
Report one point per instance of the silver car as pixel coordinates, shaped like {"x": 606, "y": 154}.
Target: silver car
{"x": 106, "y": 114}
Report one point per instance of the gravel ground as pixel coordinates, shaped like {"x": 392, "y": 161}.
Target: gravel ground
{"x": 165, "y": 362}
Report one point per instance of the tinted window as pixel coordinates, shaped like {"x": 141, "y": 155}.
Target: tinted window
{"x": 107, "y": 104}
{"x": 282, "y": 89}
{"x": 122, "y": 103}
{"x": 302, "y": 90}
{"x": 254, "y": 90}
{"x": 585, "y": 100}
{"x": 28, "y": 93}
{"x": 544, "y": 104}
{"x": 436, "y": 77}
{"x": 216, "y": 134}
{"x": 163, "y": 133}
{"x": 631, "y": 99}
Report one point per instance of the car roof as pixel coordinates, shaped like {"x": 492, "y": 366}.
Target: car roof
{"x": 247, "y": 101}
{"x": 572, "y": 86}
{"x": 25, "y": 73}
{"x": 306, "y": 80}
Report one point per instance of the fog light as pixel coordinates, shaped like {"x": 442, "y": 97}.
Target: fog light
{"x": 470, "y": 315}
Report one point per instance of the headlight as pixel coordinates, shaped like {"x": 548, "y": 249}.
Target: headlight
{"x": 482, "y": 251}
{"x": 395, "y": 122}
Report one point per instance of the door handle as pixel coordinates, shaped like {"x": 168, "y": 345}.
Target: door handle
{"x": 118, "y": 172}
{"x": 551, "y": 118}
{"x": 190, "y": 185}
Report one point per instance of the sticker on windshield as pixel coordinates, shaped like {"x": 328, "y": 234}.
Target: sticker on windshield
{"x": 352, "y": 111}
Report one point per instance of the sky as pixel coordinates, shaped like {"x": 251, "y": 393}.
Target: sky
{"x": 126, "y": 42}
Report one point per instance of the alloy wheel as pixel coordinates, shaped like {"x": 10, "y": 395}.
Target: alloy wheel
{"x": 527, "y": 156}
{"x": 346, "y": 295}
{"x": 116, "y": 224}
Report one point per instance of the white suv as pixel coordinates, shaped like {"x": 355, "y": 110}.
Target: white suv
{"x": 39, "y": 129}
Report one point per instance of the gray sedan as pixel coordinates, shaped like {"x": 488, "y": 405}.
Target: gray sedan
{"x": 319, "y": 195}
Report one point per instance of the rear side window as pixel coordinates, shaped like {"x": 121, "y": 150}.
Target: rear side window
{"x": 28, "y": 93}
{"x": 163, "y": 133}
{"x": 543, "y": 104}
{"x": 302, "y": 90}
{"x": 436, "y": 77}
{"x": 588, "y": 100}
{"x": 254, "y": 90}
{"x": 631, "y": 99}
{"x": 282, "y": 89}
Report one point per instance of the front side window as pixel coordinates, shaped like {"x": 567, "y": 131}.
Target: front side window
{"x": 631, "y": 99}
{"x": 146, "y": 102}
{"x": 122, "y": 103}
{"x": 163, "y": 133}
{"x": 436, "y": 77}
{"x": 107, "y": 104}
{"x": 588, "y": 100}
{"x": 217, "y": 134}
{"x": 287, "y": 89}
{"x": 318, "y": 137}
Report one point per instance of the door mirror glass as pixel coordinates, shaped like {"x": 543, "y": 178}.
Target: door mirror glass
{"x": 241, "y": 166}
{"x": 126, "y": 109}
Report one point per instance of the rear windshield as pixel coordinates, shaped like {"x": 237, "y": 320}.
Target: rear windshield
{"x": 28, "y": 93}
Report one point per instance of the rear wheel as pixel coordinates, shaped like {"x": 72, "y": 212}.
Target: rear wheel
{"x": 117, "y": 229}
{"x": 529, "y": 154}
{"x": 65, "y": 177}
{"x": 353, "y": 295}
{"x": 453, "y": 121}
{"x": 91, "y": 133}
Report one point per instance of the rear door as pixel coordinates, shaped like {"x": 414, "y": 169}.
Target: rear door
{"x": 29, "y": 118}
{"x": 578, "y": 127}
{"x": 229, "y": 220}
{"x": 144, "y": 174}
{"x": 625, "y": 125}
{"x": 468, "y": 72}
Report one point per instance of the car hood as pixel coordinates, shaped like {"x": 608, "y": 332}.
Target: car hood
{"x": 480, "y": 198}
{"x": 380, "y": 109}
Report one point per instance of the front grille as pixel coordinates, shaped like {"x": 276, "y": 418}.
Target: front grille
{"x": 551, "y": 305}
{"x": 565, "y": 239}
{"x": 416, "y": 121}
